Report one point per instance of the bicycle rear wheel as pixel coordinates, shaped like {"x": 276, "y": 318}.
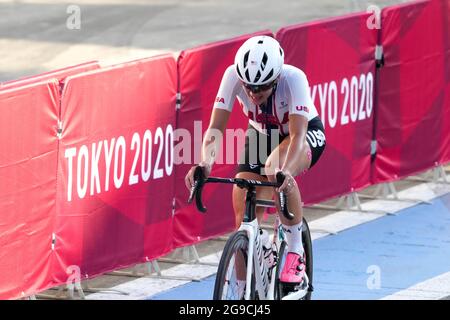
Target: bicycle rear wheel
{"x": 282, "y": 290}
{"x": 231, "y": 275}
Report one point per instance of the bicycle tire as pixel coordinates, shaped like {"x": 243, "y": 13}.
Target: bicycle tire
{"x": 238, "y": 242}
{"x": 307, "y": 246}
{"x": 279, "y": 294}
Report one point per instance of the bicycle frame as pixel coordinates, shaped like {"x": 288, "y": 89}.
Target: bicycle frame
{"x": 251, "y": 228}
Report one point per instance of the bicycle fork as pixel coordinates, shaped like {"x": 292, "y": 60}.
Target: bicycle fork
{"x": 255, "y": 255}
{"x": 250, "y": 230}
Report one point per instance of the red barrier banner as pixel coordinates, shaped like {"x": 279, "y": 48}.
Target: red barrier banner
{"x": 200, "y": 73}
{"x": 410, "y": 126}
{"x": 115, "y": 171}
{"x": 59, "y": 74}
{"x": 446, "y": 117}
{"x": 28, "y": 161}
{"x": 338, "y": 57}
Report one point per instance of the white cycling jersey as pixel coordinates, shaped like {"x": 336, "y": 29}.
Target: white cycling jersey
{"x": 292, "y": 96}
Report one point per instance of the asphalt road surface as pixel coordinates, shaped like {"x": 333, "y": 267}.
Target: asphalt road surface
{"x": 39, "y": 35}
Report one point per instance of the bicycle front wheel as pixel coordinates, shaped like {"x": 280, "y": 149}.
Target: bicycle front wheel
{"x": 232, "y": 272}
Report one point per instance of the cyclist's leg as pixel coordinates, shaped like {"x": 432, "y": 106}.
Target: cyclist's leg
{"x": 276, "y": 160}
{"x": 294, "y": 265}
{"x": 310, "y": 153}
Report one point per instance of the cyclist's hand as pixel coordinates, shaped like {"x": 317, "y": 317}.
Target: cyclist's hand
{"x": 189, "y": 179}
{"x": 289, "y": 182}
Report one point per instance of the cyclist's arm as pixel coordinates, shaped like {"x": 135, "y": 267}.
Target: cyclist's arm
{"x": 298, "y": 126}
{"x": 213, "y": 136}
{"x": 223, "y": 106}
{"x": 302, "y": 107}
{"x": 211, "y": 144}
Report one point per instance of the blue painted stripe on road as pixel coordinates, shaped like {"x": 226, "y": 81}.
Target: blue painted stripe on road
{"x": 409, "y": 248}
{"x": 406, "y": 249}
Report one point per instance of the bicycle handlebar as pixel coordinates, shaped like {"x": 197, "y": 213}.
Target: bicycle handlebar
{"x": 200, "y": 181}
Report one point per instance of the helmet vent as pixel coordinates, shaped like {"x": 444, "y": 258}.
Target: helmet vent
{"x": 260, "y": 42}
{"x": 239, "y": 72}
{"x": 247, "y": 76}
{"x": 246, "y": 58}
{"x": 258, "y": 76}
{"x": 268, "y": 76}
{"x": 264, "y": 61}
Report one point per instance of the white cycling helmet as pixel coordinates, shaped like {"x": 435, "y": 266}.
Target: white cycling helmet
{"x": 259, "y": 60}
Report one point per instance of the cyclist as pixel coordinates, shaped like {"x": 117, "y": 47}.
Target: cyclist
{"x": 285, "y": 134}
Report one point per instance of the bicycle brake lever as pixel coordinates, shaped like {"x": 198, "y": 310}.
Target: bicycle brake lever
{"x": 197, "y": 188}
{"x": 192, "y": 192}
{"x": 283, "y": 198}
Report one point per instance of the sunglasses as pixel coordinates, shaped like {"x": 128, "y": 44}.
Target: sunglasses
{"x": 259, "y": 88}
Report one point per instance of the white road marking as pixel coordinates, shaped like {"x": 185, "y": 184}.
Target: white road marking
{"x": 433, "y": 289}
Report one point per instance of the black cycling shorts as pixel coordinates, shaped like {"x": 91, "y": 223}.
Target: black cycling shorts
{"x": 259, "y": 146}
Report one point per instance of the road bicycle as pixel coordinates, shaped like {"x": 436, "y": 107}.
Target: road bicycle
{"x": 246, "y": 259}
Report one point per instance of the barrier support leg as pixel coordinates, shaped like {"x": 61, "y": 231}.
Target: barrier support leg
{"x": 439, "y": 173}
{"x": 353, "y": 200}
{"x": 387, "y": 191}
{"x": 434, "y": 175}
{"x": 347, "y": 203}
{"x": 153, "y": 266}
{"x": 70, "y": 287}
{"x": 71, "y": 290}
{"x": 136, "y": 272}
